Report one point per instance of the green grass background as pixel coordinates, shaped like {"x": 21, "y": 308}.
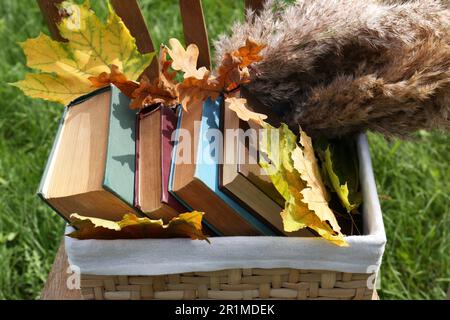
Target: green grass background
{"x": 412, "y": 177}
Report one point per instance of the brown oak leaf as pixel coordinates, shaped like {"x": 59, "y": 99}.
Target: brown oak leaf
{"x": 117, "y": 78}
{"x": 249, "y": 53}
{"x": 193, "y": 91}
{"x": 229, "y": 73}
{"x": 154, "y": 92}
{"x": 161, "y": 90}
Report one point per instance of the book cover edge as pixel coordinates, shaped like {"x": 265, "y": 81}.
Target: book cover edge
{"x": 210, "y": 105}
{"x": 172, "y": 170}
{"x": 39, "y": 192}
{"x": 105, "y": 182}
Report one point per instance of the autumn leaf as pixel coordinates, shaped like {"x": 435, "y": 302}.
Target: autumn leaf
{"x": 239, "y": 105}
{"x": 150, "y": 93}
{"x": 117, "y": 78}
{"x": 53, "y": 87}
{"x": 315, "y": 194}
{"x": 200, "y": 84}
{"x": 230, "y": 75}
{"x": 293, "y": 179}
{"x": 91, "y": 48}
{"x": 165, "y": 65}
{"x": 193, "y": 91}
{"x": 348, "y": 194}
{"x": 185, "y": 60}
{"x": 249, "y": 53}
{"x": 186, "y": 225}
{"x": 163, "y": 89}
{"x": 233, "y": 70}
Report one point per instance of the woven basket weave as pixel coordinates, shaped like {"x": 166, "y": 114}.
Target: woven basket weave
{"x": 232, "y": 284}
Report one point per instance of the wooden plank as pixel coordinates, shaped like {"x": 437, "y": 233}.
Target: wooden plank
{"x": 375, "y": 295}
{"x": 194, "y": 29}
{"x": 255, "y": 5}
{"x": 56, "y": 286}
{"x": 52, "y": 16}
{"x": 131, "y": 15}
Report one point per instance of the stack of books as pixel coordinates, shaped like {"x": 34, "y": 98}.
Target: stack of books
{"x": 107, "y": 161}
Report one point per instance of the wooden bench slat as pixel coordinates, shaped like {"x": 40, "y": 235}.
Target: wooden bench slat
{"x": 51, "y": 16}
{"x": 255, "y": 5}
{"x": 127, "y": 10}
{"x": 194, "y": 29}
{"x": 131, "y": 15}
{"x": 56, "y": 286}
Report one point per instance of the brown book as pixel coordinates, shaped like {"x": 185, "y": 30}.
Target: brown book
{"x": 196, "y": 184}
{"x": 245, "y": 180}
{"x": 153, "y": 158}
{"x": 90, "y": 170}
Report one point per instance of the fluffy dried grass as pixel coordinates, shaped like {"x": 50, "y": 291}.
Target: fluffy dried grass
{"x": 338, "y": 67}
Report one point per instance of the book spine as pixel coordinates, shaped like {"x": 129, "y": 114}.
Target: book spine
{"x": 139, "y": 116}
{"x": 168, "y": 125}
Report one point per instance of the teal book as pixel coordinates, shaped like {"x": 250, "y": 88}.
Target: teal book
{"x": 196, "y": 183}
{"x": 91, "y": 168}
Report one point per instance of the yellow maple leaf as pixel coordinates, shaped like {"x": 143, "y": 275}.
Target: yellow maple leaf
{"x": 239, "y": 106}
{"x": 282, "y": 165}
{"x": 186, "y": 225}
{"x": 91, "y": 48}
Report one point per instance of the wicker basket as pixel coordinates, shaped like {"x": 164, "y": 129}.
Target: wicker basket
{"x": 268, "y": 268}
{"x": 232, "y": 284}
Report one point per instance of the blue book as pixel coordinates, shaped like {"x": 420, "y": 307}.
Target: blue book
{"x": 91, "y": 167}
{"x": 194, "y": 178}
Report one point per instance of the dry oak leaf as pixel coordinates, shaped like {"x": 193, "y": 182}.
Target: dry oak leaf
{"x": 229, "y": 73}
{"x": 117, "y": 78}
{"x": 315, "y": 194}
{"x": 249, "y": 53}
{"x": 185, "y": 60}
{"x": 150, "y": 93}
{"x": 165, "y": 65}
{"x": 193, "y": 92}
{"x": 161, "y": 90}
{"x": 186, "y": 225}
{"x": 239, "y": 105}
{"x": 91, "y": 48}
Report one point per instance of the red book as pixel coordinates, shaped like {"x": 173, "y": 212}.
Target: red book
{"x": 153, "y": 159}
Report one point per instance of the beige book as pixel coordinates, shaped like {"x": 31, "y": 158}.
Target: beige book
{"x": 90, "y": 170}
